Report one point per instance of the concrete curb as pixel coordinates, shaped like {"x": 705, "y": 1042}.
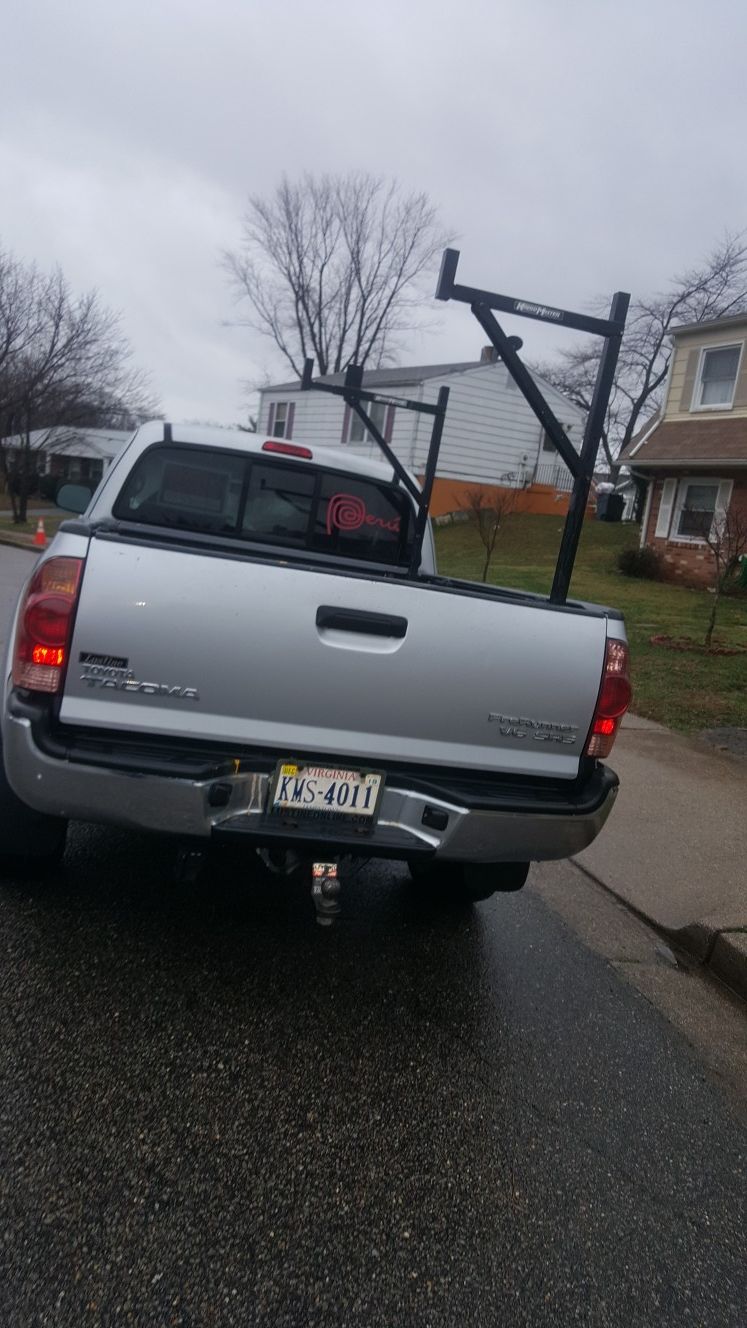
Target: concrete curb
{"x": 722, "y": 950}
{"x": 19, "y": 544}
{"x": 729, "y": 959}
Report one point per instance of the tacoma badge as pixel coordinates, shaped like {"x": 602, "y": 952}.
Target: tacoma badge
{"x": 118, "y": 679}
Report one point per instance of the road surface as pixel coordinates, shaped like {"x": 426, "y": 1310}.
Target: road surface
{"x": 15, "y": 566}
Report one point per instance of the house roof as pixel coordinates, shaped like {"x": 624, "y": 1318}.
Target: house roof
{"x": 387, "y": 377}
{"x": 641, "y": 432}
{"x": 710, "y": 325}
{"x": 634, "y": 446}
{"x": 70, "y": 441}
{"x": 694, "y": 442}
{"x": 86, "y": 442}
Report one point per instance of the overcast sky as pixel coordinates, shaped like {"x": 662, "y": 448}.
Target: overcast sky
{"x": 576, "y": 147}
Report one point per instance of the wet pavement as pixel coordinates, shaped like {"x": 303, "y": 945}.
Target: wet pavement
{"x": 215, "y": 1112}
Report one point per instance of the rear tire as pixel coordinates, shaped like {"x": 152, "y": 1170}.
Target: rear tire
{"x": 28, "y": 839}
{"x": 469, "y": 882}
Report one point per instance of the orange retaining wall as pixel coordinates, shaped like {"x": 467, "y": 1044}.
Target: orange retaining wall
{"x": 540, "y": 499}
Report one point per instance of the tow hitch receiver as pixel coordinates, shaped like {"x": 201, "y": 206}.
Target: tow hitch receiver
{"x": 190, "y": 860}
{"x": 325, "y": 892}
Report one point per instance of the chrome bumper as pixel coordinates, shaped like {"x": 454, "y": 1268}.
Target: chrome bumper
{"x": 181, "y": 806}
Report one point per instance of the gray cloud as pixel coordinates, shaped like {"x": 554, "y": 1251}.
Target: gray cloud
{"x": 575, "y": 147}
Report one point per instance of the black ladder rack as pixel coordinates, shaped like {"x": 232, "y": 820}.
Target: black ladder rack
{"x": 581, "y": 464}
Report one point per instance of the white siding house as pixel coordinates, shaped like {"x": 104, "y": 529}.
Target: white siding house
{"x": 68, "y": 453}
{"x": 490, "y": 435}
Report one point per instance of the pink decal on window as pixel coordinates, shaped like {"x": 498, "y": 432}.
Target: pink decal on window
{"x": 346, "y": 512}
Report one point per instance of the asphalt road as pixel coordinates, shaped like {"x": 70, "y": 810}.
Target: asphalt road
{"x": 15, "y": 566}
{"x": 212, "y": 1112}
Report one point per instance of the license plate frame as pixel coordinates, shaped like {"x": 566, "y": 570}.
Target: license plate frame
{"x": 330, "y": 813}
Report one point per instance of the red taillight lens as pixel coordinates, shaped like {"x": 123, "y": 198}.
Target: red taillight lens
{"x": 614, "y": 699}
{"x": 45, "y": 625}
{"x": 288, "y": 449}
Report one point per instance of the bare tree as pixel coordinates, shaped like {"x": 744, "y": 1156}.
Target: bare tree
{"x": 63, "y": 362}
{"x": 331, "y": 267}
{"x": 726, "y": 537}
{"x": 715, "y": 289}
{"x": 488, "y": 509}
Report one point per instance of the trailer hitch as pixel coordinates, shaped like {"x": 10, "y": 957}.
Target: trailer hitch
{"x": 325, "y": 892}
{"x": 190, "y": 860}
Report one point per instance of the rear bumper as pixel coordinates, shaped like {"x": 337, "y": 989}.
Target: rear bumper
{"x": 184, "y": 793}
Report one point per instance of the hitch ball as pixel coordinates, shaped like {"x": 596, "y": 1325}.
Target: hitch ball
{"x": 325, "y": 892}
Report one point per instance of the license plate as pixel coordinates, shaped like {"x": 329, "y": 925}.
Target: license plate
{"x": 320, "y": 792}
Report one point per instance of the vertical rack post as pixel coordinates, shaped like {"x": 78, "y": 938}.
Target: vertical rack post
{"x": 574, "y": 521}
{"x": 581, "y": 464}
{"x": 430, "y": 475}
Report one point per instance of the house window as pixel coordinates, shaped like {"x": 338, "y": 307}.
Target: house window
{"x": 696, "y": 510}
{"x": 281, "y": 419}
{"x": 356, "y": 432}
{"x": 547, "y": 442}
{"x": 718, "y": 376}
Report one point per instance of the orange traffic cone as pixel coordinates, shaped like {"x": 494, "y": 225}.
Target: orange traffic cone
{"x": 40, "y": 538}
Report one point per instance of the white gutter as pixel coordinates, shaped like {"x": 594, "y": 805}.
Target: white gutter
{"x": 736, "y": 463}
{"x": 646, "y": 435}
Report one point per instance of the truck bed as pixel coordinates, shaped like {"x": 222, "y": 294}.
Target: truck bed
{"x": 240, "y": 648}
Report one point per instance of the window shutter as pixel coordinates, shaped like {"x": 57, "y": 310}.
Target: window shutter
{"x": 723, "y": 498}
{"x": 686, "y": 399}
{"x": 647, "y": 511}
{"x": 271, "y": 418}
{"x": 345, "y": 425}
{"x": 664, "y": 518}
{"x": 389, "y": 424}
{"x": 740, "y": 391}
{"x": 289, "y": 421}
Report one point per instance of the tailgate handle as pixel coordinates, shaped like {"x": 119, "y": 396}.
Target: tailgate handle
{"x": 360, "y": 620}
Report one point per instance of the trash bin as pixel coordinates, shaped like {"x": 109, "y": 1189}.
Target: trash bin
{"x": 743, "y": 572}
{"x": 610, "y": 506}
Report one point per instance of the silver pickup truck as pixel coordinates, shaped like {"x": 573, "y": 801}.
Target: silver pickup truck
{"x": 227, "y": 644}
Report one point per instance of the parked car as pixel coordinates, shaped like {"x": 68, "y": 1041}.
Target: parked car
{"x": 229, "y": 645}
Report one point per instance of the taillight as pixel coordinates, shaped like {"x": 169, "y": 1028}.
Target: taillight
{"x": 45, "y": 625}
{"x": 614, "y": 699}
{"x": 288, "y": 449}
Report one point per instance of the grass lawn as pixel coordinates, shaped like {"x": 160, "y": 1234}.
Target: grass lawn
{"x": 686, "y": 691}
{"x": 52, "y": 520}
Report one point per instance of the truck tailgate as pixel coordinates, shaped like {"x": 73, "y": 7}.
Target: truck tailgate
{"x": 243, "y": 651}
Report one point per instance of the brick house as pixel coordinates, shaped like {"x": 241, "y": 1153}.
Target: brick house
{"x": 693, "y": 454}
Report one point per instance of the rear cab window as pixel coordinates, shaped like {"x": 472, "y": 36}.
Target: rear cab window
{"x": 294, "y": 504}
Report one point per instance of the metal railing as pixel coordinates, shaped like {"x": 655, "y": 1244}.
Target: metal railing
{"x": 557, "y": 477}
